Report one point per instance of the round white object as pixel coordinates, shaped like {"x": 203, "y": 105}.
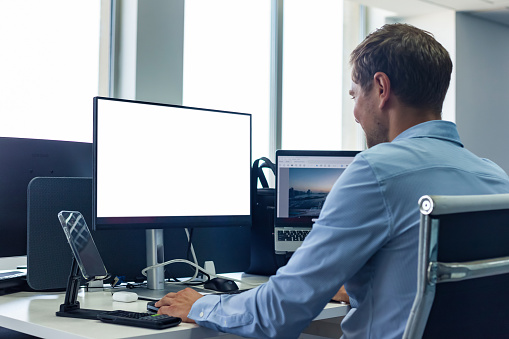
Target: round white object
{"x": 125, "y": 297}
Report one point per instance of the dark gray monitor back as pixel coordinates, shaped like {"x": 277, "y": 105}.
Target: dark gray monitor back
{"x": 20, "y": 161}
{"x": 49, "y": 256}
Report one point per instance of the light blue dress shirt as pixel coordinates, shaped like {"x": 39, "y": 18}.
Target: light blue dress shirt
{"x": 366, "y": 238}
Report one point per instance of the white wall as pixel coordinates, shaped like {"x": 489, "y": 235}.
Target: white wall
{"x": 482, "y": 92}
{"x": 352, "y": 134}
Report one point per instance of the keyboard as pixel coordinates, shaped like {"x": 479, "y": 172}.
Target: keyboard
{"x": 12, "y": 279}
{"x": 11, "y": 275}
{"x": 292, "y": 235}
{"x": 139, "y": 319}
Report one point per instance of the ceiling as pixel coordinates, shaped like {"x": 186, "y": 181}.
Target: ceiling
{"x": 493, "y": 10}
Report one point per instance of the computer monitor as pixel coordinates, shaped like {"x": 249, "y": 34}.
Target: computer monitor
{"x": 162, "y": 166}
{"x": 21, "y": 160}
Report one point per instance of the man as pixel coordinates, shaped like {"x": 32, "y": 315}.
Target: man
{"x": 367, "y": 234}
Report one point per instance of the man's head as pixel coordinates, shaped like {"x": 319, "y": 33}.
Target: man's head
{"x": 418, "y": 66}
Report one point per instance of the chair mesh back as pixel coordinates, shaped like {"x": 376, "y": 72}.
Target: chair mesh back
{"x": 476, "y": 308}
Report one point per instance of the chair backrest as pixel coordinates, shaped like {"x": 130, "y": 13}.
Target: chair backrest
{"x": 463, "y": 269}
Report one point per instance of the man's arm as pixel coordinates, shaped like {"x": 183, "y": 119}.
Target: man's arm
{"x": 353, "y": 225}
{"x": 179, "y": 304}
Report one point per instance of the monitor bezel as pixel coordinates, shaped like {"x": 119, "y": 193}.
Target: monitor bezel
{"x": 164, "y": 222}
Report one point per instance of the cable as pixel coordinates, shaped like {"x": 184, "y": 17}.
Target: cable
{"x": 197, "y": 271}
{"x": 194, "y": 264}
{"x": 189, "y": 242}
{"x": 198, "y": 268}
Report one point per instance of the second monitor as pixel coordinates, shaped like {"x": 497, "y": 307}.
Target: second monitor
{"x": 164, "y": 166}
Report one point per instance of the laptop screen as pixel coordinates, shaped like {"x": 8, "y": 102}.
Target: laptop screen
{"x": 303, "y": 181}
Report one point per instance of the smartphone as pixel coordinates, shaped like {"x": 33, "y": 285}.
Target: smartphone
{"x": 82, "y": 245}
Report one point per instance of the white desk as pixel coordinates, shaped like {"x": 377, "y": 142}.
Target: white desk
{"x": 34, "y": 313}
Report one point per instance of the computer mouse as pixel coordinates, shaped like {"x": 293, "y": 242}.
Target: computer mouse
{"x": 151, "y": 306}
{"x": 125, "y": 297}
{"x": 221, "y": 285}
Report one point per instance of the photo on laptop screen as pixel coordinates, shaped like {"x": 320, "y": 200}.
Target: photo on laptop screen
{"x": 308, "y": 188}
{"x": 303, "y": 181}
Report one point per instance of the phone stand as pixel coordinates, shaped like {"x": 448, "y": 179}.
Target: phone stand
{"x": 71, "y": 306}
{"x": 82, "y": 244}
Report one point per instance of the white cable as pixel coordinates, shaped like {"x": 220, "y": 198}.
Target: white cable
{"x": 194, "y": 264}
{"x": 144, "y": 271}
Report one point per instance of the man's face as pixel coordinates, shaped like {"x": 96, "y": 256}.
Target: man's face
{"x": 367, "y": 113}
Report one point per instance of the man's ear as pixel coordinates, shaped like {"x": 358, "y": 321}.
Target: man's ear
{"x": 383, "y": 86}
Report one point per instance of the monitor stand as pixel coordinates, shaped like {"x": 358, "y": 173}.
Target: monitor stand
{"x": 156, "y": 287}
{"x": 155, "y": 255}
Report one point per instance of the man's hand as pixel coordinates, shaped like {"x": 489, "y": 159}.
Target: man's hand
{"x": 178, "y": 304}
{"x": 341, "y": 296}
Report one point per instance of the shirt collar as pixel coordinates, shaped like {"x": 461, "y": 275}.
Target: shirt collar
{"x": 438, "y": 129}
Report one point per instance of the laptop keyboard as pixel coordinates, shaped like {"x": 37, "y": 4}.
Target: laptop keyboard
{"x": 11, "y": 275}
{"x": 11, "y": 279}
{"x": 288, "y": 235}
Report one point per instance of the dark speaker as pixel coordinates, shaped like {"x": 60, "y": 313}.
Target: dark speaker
{"x": 49, "y": 256}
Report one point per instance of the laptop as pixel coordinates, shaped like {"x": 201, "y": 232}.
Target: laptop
{"x": 303, "y": 181}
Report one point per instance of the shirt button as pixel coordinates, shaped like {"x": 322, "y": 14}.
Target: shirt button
{"x": 201, "y": 314}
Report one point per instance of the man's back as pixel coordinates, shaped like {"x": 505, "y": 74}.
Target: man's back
{"x": 425, "y": 159}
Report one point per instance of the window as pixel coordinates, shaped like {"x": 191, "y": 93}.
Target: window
{"x": 312, "y": 74}
{"x": 226, "y": 55}
{"x": 49, "y": 68}
{"x": 227, "y": 60}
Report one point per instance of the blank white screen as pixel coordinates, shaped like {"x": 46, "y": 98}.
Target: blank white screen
{"x": 49, "y": 49}
{"x": 156, "y": 161}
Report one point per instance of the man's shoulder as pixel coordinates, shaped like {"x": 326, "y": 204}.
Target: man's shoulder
{"x": 388, "y": 152}
{"x": 425, "y": 155}
{"x": 409, "y": 155}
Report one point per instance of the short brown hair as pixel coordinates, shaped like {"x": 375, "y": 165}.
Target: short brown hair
{"x": 418, "y": 66}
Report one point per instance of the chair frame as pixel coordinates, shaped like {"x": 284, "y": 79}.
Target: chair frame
{"x": 432, "y": 272}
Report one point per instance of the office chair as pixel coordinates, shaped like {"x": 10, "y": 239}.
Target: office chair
{"x": 463, "y": 268}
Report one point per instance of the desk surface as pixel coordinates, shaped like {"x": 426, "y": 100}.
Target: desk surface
{"x": 34, "y": 313}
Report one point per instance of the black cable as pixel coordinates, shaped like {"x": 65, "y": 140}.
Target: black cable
{"x": 189, "y": 243}
{"x": 134, "y": 285}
